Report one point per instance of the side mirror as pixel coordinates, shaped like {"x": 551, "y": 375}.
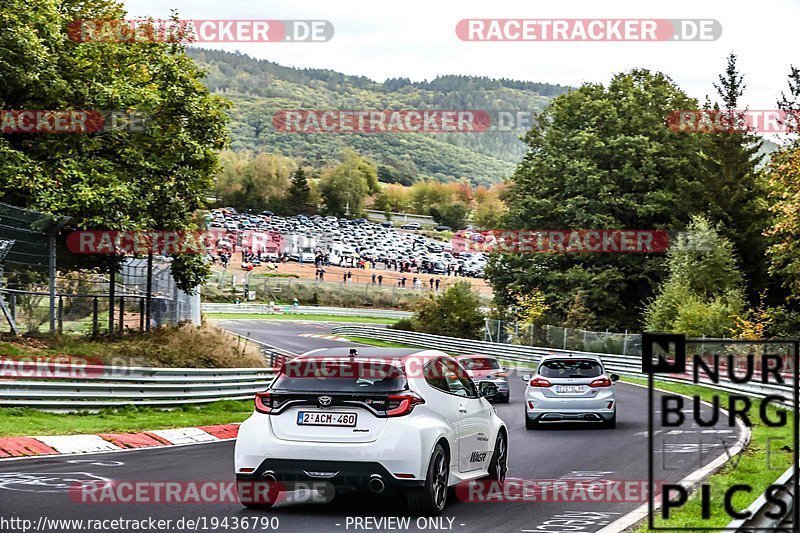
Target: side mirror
{"x": 526, "y": 377}
{"x": 614, "y": 377}
{"x": 488, "y": 390}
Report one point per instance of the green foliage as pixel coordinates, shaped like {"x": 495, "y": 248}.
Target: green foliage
{"x": 299, "y": 197}
{"x": 703, "y": 294}
{"x": 251, "y": 181}
{"x": 454, "y": 313}
{"x": 731, "y": 159}
{"x": 783, "y": 181}
{"x": 156, "y": 178}
{"x": 260, "y": 88}
{"x": 404, "y": 324}
{"x": 345, "y": 187}
{"x": 602, "y": 158}
{"x": 452, "y": 214}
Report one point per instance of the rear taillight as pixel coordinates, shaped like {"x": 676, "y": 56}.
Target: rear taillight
{"x": 539, "y": 382}
{"x": 264, "y": 402}
{"x": 602, "y": 382}
{"x": 402, "y": 404}
{"x": 501, "y": 374}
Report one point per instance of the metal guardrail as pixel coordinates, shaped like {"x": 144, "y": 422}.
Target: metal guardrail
{"x": 72, "y": 387}
{"x": 528, "y": 355}
{"x": 766, "y": 516}
{"x": 69, "y": 386}
{"x": 248, "y": 308}
{"x": 621, "y": 364}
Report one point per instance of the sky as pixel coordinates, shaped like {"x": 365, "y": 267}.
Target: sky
{"x": 417, "y": 39}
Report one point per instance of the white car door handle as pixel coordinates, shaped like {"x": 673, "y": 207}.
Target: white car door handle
{"x": 462, "y": 408}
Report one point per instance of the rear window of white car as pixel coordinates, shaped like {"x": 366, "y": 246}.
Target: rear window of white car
{"x": 340, "y": 376}
{"x": 570, "y": 368}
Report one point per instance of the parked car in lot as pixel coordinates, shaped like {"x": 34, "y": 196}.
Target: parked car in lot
{"x": 485, "y": 368}
{"x": 338, "y": 416}
{"x": 570, "y": 388}
{"x": 410, "y": 226}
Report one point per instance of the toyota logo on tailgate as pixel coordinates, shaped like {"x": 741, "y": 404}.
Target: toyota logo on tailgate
{"x": 324, "y": 401}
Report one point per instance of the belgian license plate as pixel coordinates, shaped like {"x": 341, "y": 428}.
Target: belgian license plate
{"x": 569, "y": 388}
{"x": 325, "y": 418}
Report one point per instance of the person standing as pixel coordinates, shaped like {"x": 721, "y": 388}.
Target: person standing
{"x": 437, "y": 284}
{"x": 380, "y": 280}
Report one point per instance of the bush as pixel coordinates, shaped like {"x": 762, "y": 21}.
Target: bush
{"x": 455, "y": 313}
{"x": 404, "y": 324}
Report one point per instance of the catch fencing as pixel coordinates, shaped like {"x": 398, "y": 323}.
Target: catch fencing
{"x": 250, "y": 308}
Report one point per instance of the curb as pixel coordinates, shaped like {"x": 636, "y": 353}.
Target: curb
{"x": 639, "y": 515}
{"x": 49, "y": 445}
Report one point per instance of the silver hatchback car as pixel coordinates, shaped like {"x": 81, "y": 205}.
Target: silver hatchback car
{"x": 570, "y": 388}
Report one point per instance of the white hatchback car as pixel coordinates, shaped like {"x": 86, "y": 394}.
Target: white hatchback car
{"x": 570, "y": 388}
{"x": 388, "y": 420}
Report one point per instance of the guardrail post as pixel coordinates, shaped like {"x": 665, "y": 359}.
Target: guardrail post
{"x": 122, "y": 314}
{"x": 60, "y": 314}
{"x": 95, "y": 324}
{"x": 625, "y": 343}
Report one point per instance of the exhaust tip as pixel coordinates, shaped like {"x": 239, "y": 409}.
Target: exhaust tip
{"x": 376, "y": 484}
{"x": 269, "y": 476}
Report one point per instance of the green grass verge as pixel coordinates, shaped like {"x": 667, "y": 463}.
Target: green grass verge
{"x": 767, "y": 456}
{"x": 379, "y": 343}
{"x": 16, "y": 421}
{"x": 311, "y": 318}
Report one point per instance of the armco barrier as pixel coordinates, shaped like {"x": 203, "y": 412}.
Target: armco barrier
{"x": 621, "y": 364}
{"x": 527, "y": 356}
{"x": 248, "y": 308}
{"x": 96, "y": 387}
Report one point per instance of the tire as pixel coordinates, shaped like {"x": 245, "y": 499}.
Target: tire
{"x": 498, "y": 466}
{"x": 258, "y": 506}
{"x": 612, "y": 423}
{"x": 430, "y": 500}
{"x": 530, "y": 424}
{"x": 505, "y": 399}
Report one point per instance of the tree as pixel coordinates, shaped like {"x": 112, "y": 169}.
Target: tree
{"x": 731, "y": 159}
{"x": 783, "y": 182}
{"x": 602, "y": 158}
{"x": 345, "y": 187}
{"x": 250, "y": 181}
{"x": 452, "y": 214}
{"x": 704, "y": 291}
{"x": 454, "y": 313}
{"x": 299, "y": 197}
{"x": 154, "y": 177}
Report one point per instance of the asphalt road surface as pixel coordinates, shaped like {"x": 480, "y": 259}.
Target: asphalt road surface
{"x": 34, "y": 488}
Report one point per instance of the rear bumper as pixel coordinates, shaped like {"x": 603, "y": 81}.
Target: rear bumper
{"x": 544, "y": 409}
{"x": 340, "y": 474}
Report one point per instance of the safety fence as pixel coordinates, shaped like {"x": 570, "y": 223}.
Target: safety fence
{"x": 71, "y": 387}
{"x": 252, "y": 308}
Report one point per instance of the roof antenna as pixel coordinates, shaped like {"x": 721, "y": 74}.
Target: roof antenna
{"x": 353, "y": 352}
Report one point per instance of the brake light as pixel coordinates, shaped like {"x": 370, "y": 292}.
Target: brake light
{"x": 501, "y": 374}
{"x": 264, "y": 402}
{"x": 539, "y": 382}
{"x": 602, "y": 382}
{"x": 404, "y": 403}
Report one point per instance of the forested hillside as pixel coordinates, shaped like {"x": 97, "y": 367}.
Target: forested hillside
{"x": 259, "y": 88}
